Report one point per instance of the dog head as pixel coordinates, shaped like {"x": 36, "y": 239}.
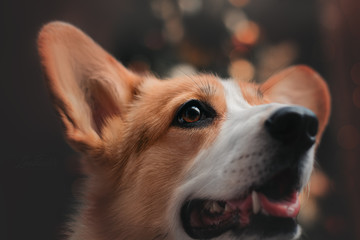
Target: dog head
{"x": 196, "y": 157}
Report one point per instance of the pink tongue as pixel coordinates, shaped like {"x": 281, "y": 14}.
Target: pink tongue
{"x": 288, "y": 208}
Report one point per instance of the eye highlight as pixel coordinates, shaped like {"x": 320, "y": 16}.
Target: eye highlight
{"x": 194, "y": 114}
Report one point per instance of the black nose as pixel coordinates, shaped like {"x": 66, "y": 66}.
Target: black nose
{"x": 295, "y": 126}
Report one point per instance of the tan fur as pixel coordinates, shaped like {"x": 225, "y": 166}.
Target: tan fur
{"x": 134, "y": 159}
{"x": 151, "y": 163}
{"x": 252, "y": 93}
{"x": 139, "y": 182}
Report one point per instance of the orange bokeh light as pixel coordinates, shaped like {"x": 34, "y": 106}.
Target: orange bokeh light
{"x": 248, "y": 34}
{"x": 242, "y": 70}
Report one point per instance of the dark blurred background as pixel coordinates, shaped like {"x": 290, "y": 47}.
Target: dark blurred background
{"x": 247, "y": 39}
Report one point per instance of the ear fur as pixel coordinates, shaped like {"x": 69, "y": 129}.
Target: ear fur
{"x": 87, "y": 84}
{"x": 300, "y": 85}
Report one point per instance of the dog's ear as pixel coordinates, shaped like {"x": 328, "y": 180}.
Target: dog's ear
{"x": 300, "y": 85}
{"x": 87, "y": 84}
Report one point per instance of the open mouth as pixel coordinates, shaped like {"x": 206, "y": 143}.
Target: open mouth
{"x": 270, "y": 208}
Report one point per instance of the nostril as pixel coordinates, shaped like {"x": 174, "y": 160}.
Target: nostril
{"x": 284, "y": 124}
{"x": 293, "y": 125}
{"x": 312, "y": 126}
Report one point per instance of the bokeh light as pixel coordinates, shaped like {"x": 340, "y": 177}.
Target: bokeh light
{"x": 234, "y": 19}
{"x": 319, "y": 186}
{"x": 182, "y": 70}
{"x": 242, "y": 70}
{"x": 247, "y": 33}
{"x": 190, "y": 6}
{"x": 276, "y": 57}
{"x": 163, "y": 9}
{"x": 330, "y": 18}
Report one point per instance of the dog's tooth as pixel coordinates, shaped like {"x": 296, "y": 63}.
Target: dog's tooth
{"x": 216, "y": 208}
{"x": 213, "y": 207}
{"x": 255, "y": 202}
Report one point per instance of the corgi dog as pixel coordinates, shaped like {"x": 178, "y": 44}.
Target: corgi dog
{"x": 194, "y": 157}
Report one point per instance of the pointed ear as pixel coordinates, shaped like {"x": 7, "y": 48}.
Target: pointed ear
{"x": 300, "y": 85}
{"x": 87, "y": 84}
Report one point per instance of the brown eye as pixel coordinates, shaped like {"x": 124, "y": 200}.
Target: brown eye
{"x": 194, "y": 114}
{"x": 191, "y": 114}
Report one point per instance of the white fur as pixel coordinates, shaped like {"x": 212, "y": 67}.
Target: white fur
{"x": 238, "y": 158}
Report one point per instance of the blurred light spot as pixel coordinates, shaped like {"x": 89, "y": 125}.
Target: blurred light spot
{"x": 190, "y": 6}
{"x": 276, "y": 57}
{"x": 174, "y": 31}
{"x": 181, "y": 70}
{"x": 234, "y": 19}
{"x": 163, "y": 9}
{"x": 248, "y": 33}
{"x": 195, "y": 55}
{"x": 239, "y": 3}
{"x": 356, "y": 97}
{"x": 330, "y": 18}
{"x": 355, "y": 73}
{"x": 319, "y": 184}
{"x": 348, "y": 137}
{"x": 242, "y": 70}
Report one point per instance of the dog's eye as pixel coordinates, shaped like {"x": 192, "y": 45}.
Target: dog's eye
{"x": 191, "y": 114}
{"x": 194, "y": 113}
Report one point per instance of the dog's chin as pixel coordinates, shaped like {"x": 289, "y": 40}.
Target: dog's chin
{"x": 266, "y": 211}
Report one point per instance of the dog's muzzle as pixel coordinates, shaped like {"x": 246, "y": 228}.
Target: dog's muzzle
{"x": 269, "y": 206}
